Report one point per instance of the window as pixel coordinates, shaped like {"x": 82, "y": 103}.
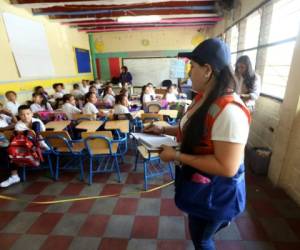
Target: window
{"x": 252, "y": 30}
{"x": 234, "y": 38}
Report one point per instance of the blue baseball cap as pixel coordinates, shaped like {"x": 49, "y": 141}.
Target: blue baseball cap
{"x": 212, "y": 51}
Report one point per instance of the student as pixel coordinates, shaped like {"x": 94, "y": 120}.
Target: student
{"x": 125, "y": 76}
{"x": 69, "y": 106}
{"x": 109, "y": 97}
{"x": 210, "y": 181}
{"x": 171, "y": 95}
{"x": 76, "y": 92}
{"x": 151, "y": 90}
{"x": 12, "y": 105}
{"x": 147, "y": 96}
{"x": 40, "y": 103}
{"x": 89, "y": 107}
{"x": 93, "y": 89}
{"x": 121, "y": 106}
{"x": 59, "y": 90}
{"x": 7, "y": 119}
{"x": 27, "y": 122}
{"x": 248, "y": 82}
{"x": 84, "y": 86}
{"x": 40, "y": 90}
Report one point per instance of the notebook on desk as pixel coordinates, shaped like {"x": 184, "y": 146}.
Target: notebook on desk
{"x": 154, "y": 142}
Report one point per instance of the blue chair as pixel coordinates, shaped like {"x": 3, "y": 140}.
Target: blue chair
{"x": 103, "y": 149}
{"x": 61, "y": 145}
{"x": 152, "y": 165}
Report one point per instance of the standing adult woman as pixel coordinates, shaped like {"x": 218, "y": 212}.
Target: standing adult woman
{"x": 125, "y": 76}
{"x": 209, "y": 184}
{"x": 248, "y": 86}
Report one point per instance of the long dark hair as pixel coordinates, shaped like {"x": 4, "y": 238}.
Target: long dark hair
{"x": 249, "y": 76}
{"x": 194, "y": 130}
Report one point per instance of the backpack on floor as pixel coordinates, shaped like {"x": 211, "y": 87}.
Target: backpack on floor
{"x": 24, "y": 149}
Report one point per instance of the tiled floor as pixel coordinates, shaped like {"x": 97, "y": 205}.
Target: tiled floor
{"x": 139, "y": 221}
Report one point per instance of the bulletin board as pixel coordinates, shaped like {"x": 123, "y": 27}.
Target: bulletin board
{"x": 83, "y": 60}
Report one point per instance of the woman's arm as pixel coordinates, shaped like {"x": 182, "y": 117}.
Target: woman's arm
{"x": 224, "y": 162}
{"x": 158, "y": 130}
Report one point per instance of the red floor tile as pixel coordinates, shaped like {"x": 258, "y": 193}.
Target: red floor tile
{"x": 229, "y": 245}
{"x": 3, "y": 203}
{"x": 94, "y": 226}
{"x": 145, "y": 227}
{"x": 125, "y": 167}
{"x": 187, "y": 231}
{"x": 81, "y": 206}
{"x": 7, "y": 240}
{"x": 73, "y": 189}
{"x": 126, "y": 206}
{"x": 67, "y": 176}
{"x": 250, "y": 229}
{"x": 111, "y": 189}
{"x": 171, "y": 244}
{"x": 153, "y": 194}
{"x": 45, "y": 223}
{"x": 39, "y": 207}
{"x": 264, "y": 208}
{"x": 287, "y": 245}
{"x": 6, "y": 217}
{"x": 135, "y": 178}
{"x": 168, "y": 208}
{"x": 57, "y": 242}
{"x": 101, "y": 177}
{"x": 113, "y": 244}
{"x": 36, "y": 187}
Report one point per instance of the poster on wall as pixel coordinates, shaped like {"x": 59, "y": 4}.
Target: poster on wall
{"x": 29, "y": 45}
{"x": 83, "y": 60}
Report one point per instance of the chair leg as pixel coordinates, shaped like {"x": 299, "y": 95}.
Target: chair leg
{"x": 57, "y": 167}
{"x": 136, "y": 160}
{"x": 145, "y": 176}
{"x": 170, "y": 171}
{"x": 23, "y": 174}
{"x": 91, "y": 171}
{"x": 50, "y": 167}
{"x": 117, "y": 168}
{"x": 81, "y": 169}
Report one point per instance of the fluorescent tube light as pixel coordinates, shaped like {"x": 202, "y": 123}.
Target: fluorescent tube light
{"x": 139, "y": 19}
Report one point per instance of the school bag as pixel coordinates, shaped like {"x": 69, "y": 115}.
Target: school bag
{"x": 24, "y": 149}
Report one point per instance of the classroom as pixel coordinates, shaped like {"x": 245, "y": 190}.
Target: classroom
{"x": 149, "y": 125}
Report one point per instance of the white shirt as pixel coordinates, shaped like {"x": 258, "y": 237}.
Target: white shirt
{"x": 90, "y": 109}
{"x": 12, "y": 107}
{"x": 170, "y": 97}
{"x": 109, "y": 99}
{"x": 59, "y": 95}
{"x": 147, "y": 98}
{"x": 77, "y": 92}
{"x": 70, "y": 109}
{"x": 121, "y": 109}
{"x": 21, "y": 126}
{"x": 84, "y": 89}
{"x": 35, "y": 107}
{"x": 5, "y": 120}
{"x": 230, "y": 126}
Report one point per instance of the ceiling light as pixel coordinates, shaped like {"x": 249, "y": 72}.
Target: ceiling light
{"x": 138, "y": 19}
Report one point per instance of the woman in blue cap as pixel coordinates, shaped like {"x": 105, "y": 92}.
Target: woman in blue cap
{"x": 209, "y": 183}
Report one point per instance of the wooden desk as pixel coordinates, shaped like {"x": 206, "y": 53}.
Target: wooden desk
{"x": 137, "y": 114}
{"x": 158, "y": 123}
{"x": 169, "y": 112}
{"x": 89, "y": 126}
{"x": 57, "y": 125}
{"x": 122, "y": 125}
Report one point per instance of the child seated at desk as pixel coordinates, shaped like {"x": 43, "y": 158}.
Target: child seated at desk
{"x": 109, "y": 97}
{"x": 40, "y": 90}
{"x": 84, "y": 88}
{"x": 7, "y": 119}
{"x": 172, "y": 93}
{"x": 27, "y": 122}
{"x": 89, "y": 107}
{"x": 76, "y": 92}
{"x": 12, "y": 105}
{"x": 69, "y": 106}
{"x": 121, "y": 106}
{"x": 40, "y": 103}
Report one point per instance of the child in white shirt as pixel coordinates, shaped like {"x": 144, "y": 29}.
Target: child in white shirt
{"x": 109, "y": 98}
{"x": 26, "y": 122}
{"x": 59, "y": 90}
{"x": 7, "y": 119}
{"x": 171, "y": 95}
{"x": 76, "y": 92}
{"x": 12, "y": 105}
{"x": 69, "y": 106}
{"x": 84, "y": 86}
{"x": 89, "y": 107}
{"x": 40, "y": 103}
{"x": 121, "y": 106}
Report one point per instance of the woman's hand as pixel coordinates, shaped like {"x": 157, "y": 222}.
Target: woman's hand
{"x": 153, "y": 129}
{"x": 167, "y": 154}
